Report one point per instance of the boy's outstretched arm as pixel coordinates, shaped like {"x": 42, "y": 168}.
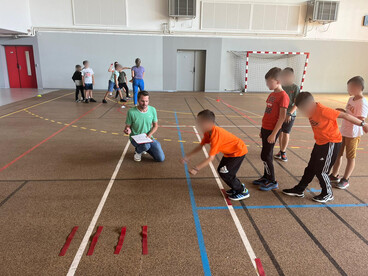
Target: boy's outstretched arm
{"x": 272, "y": 138}
{"x": 187, "y": 157}
{"x": 354, "y": 120}
{"x": 201, "y": 165}
{"x": 110, "y": 68}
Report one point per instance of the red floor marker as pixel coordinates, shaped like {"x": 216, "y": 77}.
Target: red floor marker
{"x": 260, "y": 267}
{"x": 94, "y": 241}
{"x": 228, "y": 201}
{"x": 68, "y": 241}
{"x": 144, "y": 240}
{"x": 121, "y": 241}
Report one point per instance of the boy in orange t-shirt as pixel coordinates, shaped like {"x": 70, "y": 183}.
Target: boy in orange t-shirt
{"x": 232, "y": 147}
{"x": 328, "y": 142}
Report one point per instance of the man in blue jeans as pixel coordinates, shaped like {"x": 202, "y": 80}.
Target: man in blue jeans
{"x": 143, "y": 119}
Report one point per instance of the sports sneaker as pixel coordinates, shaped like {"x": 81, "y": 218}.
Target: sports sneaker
{"x": 260, "y": 181}
{"x": 86, "y": 101}
{"x": 92, "y": 100}
{"x": 283, "y": 157}
{"x": 278, "y": 155}
{"x": 231, "y": 191}
{"x": 137, "y": 157}
{"x": 293, "y": 192}
{"x": 323, "y": 198}
{"x": 240, "y": 196}
{"x": 123, "y": 101}
{"x": 343, "y": 184}
{"x": 104, "y": 101}
{"x": 77, "y": 101}
{"x": 268, "y": 186}
{"x": 334, "y": 179}
{"x": 144, "y": 153}
{"x": 123, "y": 106}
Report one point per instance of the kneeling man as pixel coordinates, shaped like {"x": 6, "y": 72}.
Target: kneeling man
{"x": 142, "y": 119}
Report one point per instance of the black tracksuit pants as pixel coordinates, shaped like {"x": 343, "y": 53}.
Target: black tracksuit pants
{"x": 121, "y": 86}
{"x": 79, "y": 88}
{"x": 267, "y": 154}
{"x": 227, "y": 170}
{"x": 322, "y": 159}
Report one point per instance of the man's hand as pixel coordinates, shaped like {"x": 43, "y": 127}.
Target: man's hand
{"x": 288, "y": 118}
{"x": 193, "y": 171}
{"x": 271, "y": 139}
{"x": 127, "y": 130}
{"x": 184, "y": 160}
{"x": 365, "y": 128}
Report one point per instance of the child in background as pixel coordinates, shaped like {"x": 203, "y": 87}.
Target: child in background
{"x": 274, "y": 117}
{"x": 328, "y": 143}
{"x": 113, "y": 83}
{"x": 77, "y": 78}
{"x": 88, "y": 80}
{"x": 232, "y": 147}
{"x": 288, "y": 85}
{"x": 357, "y": 106}
{"x": 123, "y": 84}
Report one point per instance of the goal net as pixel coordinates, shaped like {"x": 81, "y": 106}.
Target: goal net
{"x": 252, "y": 66}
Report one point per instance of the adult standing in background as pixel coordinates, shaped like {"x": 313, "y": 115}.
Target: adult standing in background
{"x": 137, "y": 75}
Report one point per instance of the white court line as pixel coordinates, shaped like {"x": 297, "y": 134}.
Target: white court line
{"x": 83, "y": 245}
{"x": 234, "y": 216}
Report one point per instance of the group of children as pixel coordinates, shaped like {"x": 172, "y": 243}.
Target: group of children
{"x": 277, "y": 121}
{"x": 84, "y": 81}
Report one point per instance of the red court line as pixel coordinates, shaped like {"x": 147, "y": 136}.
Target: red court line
{"x": 94, "y": 241}
{"x": 45, "y": 140}
{"x": 68, "y": 241}
{"x": 239, "y": 112}
{"x": 144, "y": 240}
{"x": 260, "y": 267}
{"x": 121, "y": 241}
{"x": 228, "y": 201}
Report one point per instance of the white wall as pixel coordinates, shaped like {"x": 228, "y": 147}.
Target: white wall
{"x": 15, "y": 15}
{"x": 149, "y": 15}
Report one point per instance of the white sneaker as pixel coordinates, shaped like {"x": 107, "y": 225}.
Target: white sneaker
{"x": 144, "y": 152}
{"x": 110, "y": 93}
{"x": 123, "y": 106}
{"x": 137, "y": 157}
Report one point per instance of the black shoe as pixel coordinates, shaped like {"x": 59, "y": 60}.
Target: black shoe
{"x": 231, "y": 191}
{"x": 260, "y": 181}
{"x": 104, "y": 101}
{"x": 334, "y": 179}
{"x": 293, "y": 192}
{"x": 92, "y": 100}
{"x": 86, "y": 101}
{"x": 123, "y": 101}
{"x": 323, "y": 198}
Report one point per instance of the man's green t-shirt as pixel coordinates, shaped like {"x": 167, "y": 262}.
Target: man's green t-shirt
{"x": 292, "y": 91}
{"x": 141, "y": 122}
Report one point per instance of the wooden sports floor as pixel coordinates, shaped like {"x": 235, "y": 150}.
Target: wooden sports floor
{"x": 66, "y": 164}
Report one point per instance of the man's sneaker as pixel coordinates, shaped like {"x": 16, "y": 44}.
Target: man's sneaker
{"x": 231, "y": 191}
{"x": 240, "y": 196}
{"x": 104, "y": 101}
{"x": 323, "y": 198}
{"x": 92, "y": 100}
{"x": 123, "y": 101}
{"x": 86, "y": 101}
{"x": 268, "y": 186}
{"x": 343, "y": 184}
{"x": 334, "y": 179}
{"x": 293, "y": 192}
{"x": 278, "y": 155}
{"x": 260, "y": 181}
{"x": 137, "y": 157}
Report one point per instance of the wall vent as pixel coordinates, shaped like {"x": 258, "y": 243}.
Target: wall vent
{"x": 182, "y": 8}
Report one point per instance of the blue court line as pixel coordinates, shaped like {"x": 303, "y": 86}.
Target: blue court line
{"x": 202, "y": 246}
{"x": 284, "y": 207}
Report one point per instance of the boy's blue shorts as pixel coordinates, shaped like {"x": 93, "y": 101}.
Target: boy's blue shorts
{"x": 88, "y": 86}
{"x": 112, "y": 86}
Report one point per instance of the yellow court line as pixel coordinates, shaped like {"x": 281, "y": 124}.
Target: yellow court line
{"x": 20, "y": 110}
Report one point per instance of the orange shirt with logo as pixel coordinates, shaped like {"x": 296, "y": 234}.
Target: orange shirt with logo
{"x": 223, "y": 141}
{"x": 324, "y": 125}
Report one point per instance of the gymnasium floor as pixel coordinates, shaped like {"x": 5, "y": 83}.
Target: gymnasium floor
{"x": 66, "y": 164}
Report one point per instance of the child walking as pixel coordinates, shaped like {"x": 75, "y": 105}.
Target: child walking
{"x": 288, "y": 85}
{"x": 232, "y": 147}
{"x": 77, "y": 78}
{"x": 328, "y": 143}
{"x": 357, "y": 106}
{"x": 113, "y": 83}
{"x": 123, "y": 84}
{"x": 273, "y": 118}
{"x": 88, "y": 80}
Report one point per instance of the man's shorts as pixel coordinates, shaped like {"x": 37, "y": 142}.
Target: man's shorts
{"x": 112, "y": 86}
{"x": 88, "y": 86}
{"x": 351, "y": 145}
{"x": 286, "y": 127}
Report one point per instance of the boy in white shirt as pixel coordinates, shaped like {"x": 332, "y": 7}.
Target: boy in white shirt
{"x": 88, "y": 80}
{"x": 357, "y": 106}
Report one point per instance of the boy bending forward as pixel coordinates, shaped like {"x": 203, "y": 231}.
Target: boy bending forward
{"x": 232, "y": 147}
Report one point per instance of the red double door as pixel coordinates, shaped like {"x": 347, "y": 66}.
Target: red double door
{"x": 21, "y": 66}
